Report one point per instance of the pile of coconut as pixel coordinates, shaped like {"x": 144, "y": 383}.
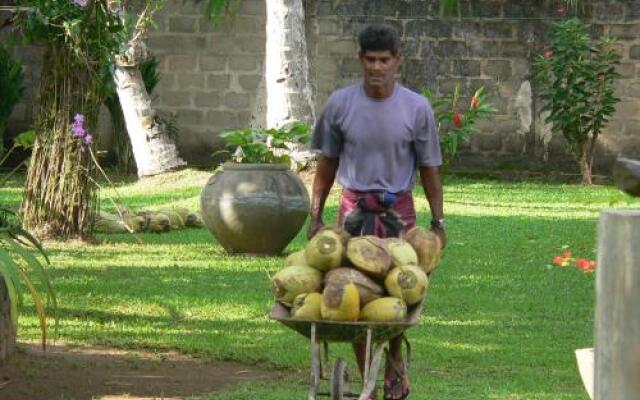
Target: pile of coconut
{"x": 126, "y": 220}
{"x": 365, "y": 278}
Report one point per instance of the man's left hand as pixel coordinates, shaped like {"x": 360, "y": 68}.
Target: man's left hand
{"x": 442, "y": 235}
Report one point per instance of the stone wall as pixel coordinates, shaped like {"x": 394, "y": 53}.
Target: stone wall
{"x": 211, "y": 75}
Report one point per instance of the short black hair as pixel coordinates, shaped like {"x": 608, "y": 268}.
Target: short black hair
{"x": 379, "y": 37}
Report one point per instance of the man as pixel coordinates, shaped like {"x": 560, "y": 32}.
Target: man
{"x": 373, "y": 136}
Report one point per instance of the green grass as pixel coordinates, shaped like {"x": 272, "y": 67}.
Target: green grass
{"x": 500, "y": 321}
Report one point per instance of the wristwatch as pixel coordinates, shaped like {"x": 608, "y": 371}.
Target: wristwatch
{"x": 437, "y": 223}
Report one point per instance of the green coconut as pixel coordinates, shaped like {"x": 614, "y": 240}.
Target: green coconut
{"x": 175, "y": 219}
{"x": 295, "y": 258}
{"x": 293, "y": 280}
{"x": 370, "y": 255}
{"x": 194, "y": 219}
{"x": 408, "y": 283}
{"x": 109, "y": 226}
{"x": 340, "y": 303}
{"x": 307, "y": 306}
{"x": 368, "y": 289}
{"x": 427, "y": 246}
{"x": 135, "y": 223}
{"x": 385, "y": 309}
{"x": 324, "y": 250}
{"x": 401, "y": 251}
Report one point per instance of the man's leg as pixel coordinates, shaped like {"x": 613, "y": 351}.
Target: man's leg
{"x": 396, "y": 378}
{"x": 360, "y": 350}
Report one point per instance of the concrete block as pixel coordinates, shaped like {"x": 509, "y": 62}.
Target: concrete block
{"x": 172, "y": 98}
{"x": 237, "y": 101}
{"x": 222, "y": 120}
{"x": 190, "y": 81}
{"x": 244, "y": 63}
{"x": 188, "y": 116}
{"x": 208, "y": 100}
{"x": 502, "y": 30}
{"x": 466, "y": 68}
{"x": 213, "y": 63}
{"x": 182, "y": 63}
{"x": 218, "y": 82}
{"x": 183, "y": 24}
{"x": 499, "y": 69}
{"x": 249, "y": 82}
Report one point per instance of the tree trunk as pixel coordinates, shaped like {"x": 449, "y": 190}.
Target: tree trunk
{"x": 289, "y": 95}
{"x": 59, "y": 199}
{"x": 7, "y": 330}
{"x": 585, "y": 162}
{"x": 153, "y": 149}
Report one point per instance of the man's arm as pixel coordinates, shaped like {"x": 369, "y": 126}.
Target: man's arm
{"x": 322, "y": 183}
{"x": 430, "y": 178}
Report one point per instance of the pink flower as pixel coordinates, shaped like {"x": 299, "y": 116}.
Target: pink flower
{"x": 88, "y": 139}
{"x": 548, "y": 53}
{"x": 81, "y": 3}
{"x": 562, "y": 11}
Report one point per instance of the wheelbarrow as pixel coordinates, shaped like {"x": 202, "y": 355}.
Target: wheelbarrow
{"x": 375, "y": 335}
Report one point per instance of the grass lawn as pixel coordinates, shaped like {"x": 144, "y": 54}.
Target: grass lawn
{"x": 500, "y": 321}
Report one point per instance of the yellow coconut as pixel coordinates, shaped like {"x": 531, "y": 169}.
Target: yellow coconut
{"x": 291, "y": 281}
{"x": 135, "y": 223}
{"x": 109, "y": 226}
{"x": 295, "y": 258}
{"x": 408, "y": 283}
{"x": 368, "y": 289}
{"x": 401, "y": 252}
{"x": 175, "y": 219}
{"x": 427, "y": 245}
{"x": 385, "y": 309}
{"x": 370, "y": 255}
{"x": 159, "y": 222}
{"x": 340, "y": 303}
{"x": 194, "y": 219}
{"x": 324, "y": 250}
{"x": 307, "y": 306}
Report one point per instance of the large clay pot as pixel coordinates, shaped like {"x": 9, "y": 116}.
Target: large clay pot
{"x": 254, "y": 208}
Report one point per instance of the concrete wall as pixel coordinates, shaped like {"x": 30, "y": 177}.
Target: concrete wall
{"x": 210, "y": 75}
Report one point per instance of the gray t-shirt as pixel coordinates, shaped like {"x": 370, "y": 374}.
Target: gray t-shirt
{"x": 379, "y": 142}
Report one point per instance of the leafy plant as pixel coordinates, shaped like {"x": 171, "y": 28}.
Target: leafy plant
{"x": 11, "y": 88}
{"x": 270, "y": 146}
{"x": 18, "y": 267}
{"x": 576, "y": 84}
{"x": 454, "y": 124}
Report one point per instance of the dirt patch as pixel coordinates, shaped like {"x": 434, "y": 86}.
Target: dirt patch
{"x": 107, "y": 374}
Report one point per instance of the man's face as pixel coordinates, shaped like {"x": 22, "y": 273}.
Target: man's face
{"x": 379, "y": 67}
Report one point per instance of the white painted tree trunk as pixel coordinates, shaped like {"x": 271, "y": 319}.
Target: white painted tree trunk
{"x": 617, "y": 325}
{"x": 288, "y": 90}
{"x": 153, "y": 149}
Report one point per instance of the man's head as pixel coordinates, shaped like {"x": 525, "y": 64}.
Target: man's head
{"x": 380, "y": 57}
{"x": 379, "y": 37}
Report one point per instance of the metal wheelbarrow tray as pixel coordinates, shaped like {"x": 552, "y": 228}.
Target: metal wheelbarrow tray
{"x": 373, "y": 334}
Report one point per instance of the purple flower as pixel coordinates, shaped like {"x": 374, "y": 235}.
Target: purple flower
{"x": 78, "y": 130}
{"x": 81, "y": 3}
{"x": 88, "y": 139}
{"x": 79, "y": 118}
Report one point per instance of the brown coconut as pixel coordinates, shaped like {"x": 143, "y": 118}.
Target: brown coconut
{"x": 370, "y": 255}
{"x": 427, "y": 245}
{"x": 368, "y": 289}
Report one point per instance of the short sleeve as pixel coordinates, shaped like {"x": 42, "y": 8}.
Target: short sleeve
{"x": 427, "y": 143}
{"x": 327, "y": 137}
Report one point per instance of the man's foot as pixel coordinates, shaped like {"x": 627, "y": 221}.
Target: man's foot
{"x": 396, "y": 382}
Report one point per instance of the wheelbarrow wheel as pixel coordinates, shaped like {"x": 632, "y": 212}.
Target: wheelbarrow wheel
{"x": 339, "y": 380}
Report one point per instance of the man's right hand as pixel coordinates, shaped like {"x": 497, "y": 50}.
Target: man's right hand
{"x": 314, "y": 226}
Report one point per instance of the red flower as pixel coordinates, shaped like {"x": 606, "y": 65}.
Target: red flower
{"x": 558, "y": 260}
{"x": 457, "y": 119}
{"x": 567, "y": 254}
{"x": 548, "y": 53}
{"x": 582, "y": 263}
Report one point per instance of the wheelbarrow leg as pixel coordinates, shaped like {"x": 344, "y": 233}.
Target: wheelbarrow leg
{"x": 373, "y": 359}
{"x": 315, "y": 364}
